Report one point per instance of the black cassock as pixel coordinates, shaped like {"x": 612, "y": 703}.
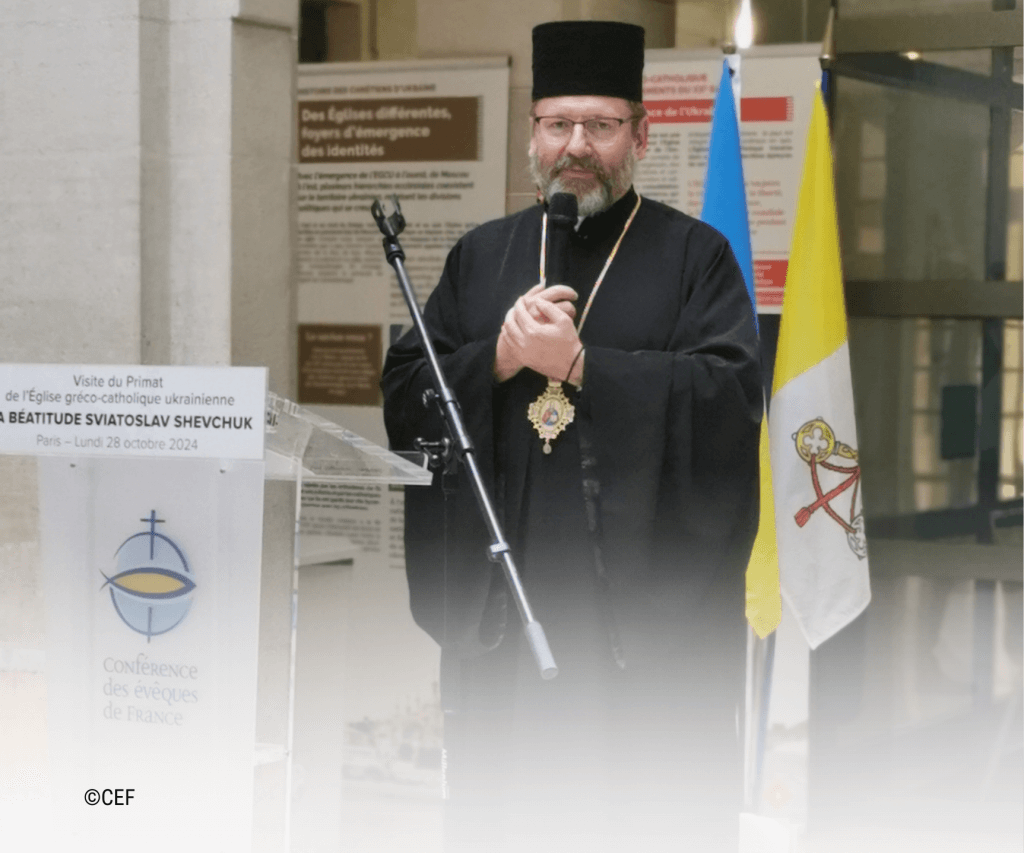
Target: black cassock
{"x": 632, "y": 537}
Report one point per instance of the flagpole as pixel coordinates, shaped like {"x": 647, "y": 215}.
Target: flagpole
{"x": 827, "y": 59}
{"x": 762, "y": 666}
{"x": 760, "y": 652}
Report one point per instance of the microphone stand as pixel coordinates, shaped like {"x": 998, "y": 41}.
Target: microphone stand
{"x": 440, "y": 453}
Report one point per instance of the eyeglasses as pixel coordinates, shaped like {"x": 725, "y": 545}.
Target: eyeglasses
{"x": 559, "y": 128}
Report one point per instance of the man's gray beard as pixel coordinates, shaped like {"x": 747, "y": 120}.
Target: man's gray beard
{"x": 611, "y": 186}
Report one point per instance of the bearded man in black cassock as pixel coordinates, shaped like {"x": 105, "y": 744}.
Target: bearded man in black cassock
{"x": 631, "y": 528}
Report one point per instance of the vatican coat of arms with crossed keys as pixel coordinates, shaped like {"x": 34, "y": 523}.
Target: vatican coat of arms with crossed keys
{"x": 817, "y": 445}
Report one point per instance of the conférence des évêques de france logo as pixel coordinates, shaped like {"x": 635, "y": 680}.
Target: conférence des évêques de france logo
{"x": 152, "y": 587}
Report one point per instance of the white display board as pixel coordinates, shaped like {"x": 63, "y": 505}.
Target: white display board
{"x": 434, "y": 133}
{"x": 777, "y": 87}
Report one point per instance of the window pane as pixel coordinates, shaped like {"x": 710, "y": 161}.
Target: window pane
{"x": 910, "y": 184}
{"x": 900, "y": 368}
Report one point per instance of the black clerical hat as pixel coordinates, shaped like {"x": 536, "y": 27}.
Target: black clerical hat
{"x": 588, "y": 58}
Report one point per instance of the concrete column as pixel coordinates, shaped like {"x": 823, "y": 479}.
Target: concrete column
{"x": 69, "y": 283}
{"x": 261, "y": 312}
{"x": 262, "y": 197}
{"x": 184, "y": 119}
{"x": 136, "y": 142}
{"x": 69, "y": 167}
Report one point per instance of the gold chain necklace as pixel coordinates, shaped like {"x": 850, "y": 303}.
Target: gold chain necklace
{"x": 552, "y": 412}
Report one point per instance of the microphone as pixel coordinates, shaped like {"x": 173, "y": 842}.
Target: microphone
{"x": 562, "y": 215}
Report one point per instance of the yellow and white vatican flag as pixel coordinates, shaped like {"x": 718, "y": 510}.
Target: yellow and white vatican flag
{"x": 820, "y": 519}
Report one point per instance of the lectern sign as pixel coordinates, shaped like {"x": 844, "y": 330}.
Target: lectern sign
{"x": 150, "y": 496}
{"x": 132, "y": 410}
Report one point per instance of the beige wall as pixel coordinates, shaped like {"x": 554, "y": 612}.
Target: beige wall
{"x": 702, "y": 23}
{"x": 396, "y": 29}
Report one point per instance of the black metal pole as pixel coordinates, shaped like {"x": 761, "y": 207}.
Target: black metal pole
{"x": 499, "y": 551}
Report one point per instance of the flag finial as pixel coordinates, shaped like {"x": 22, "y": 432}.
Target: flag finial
{"x": 828, "y": 43}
